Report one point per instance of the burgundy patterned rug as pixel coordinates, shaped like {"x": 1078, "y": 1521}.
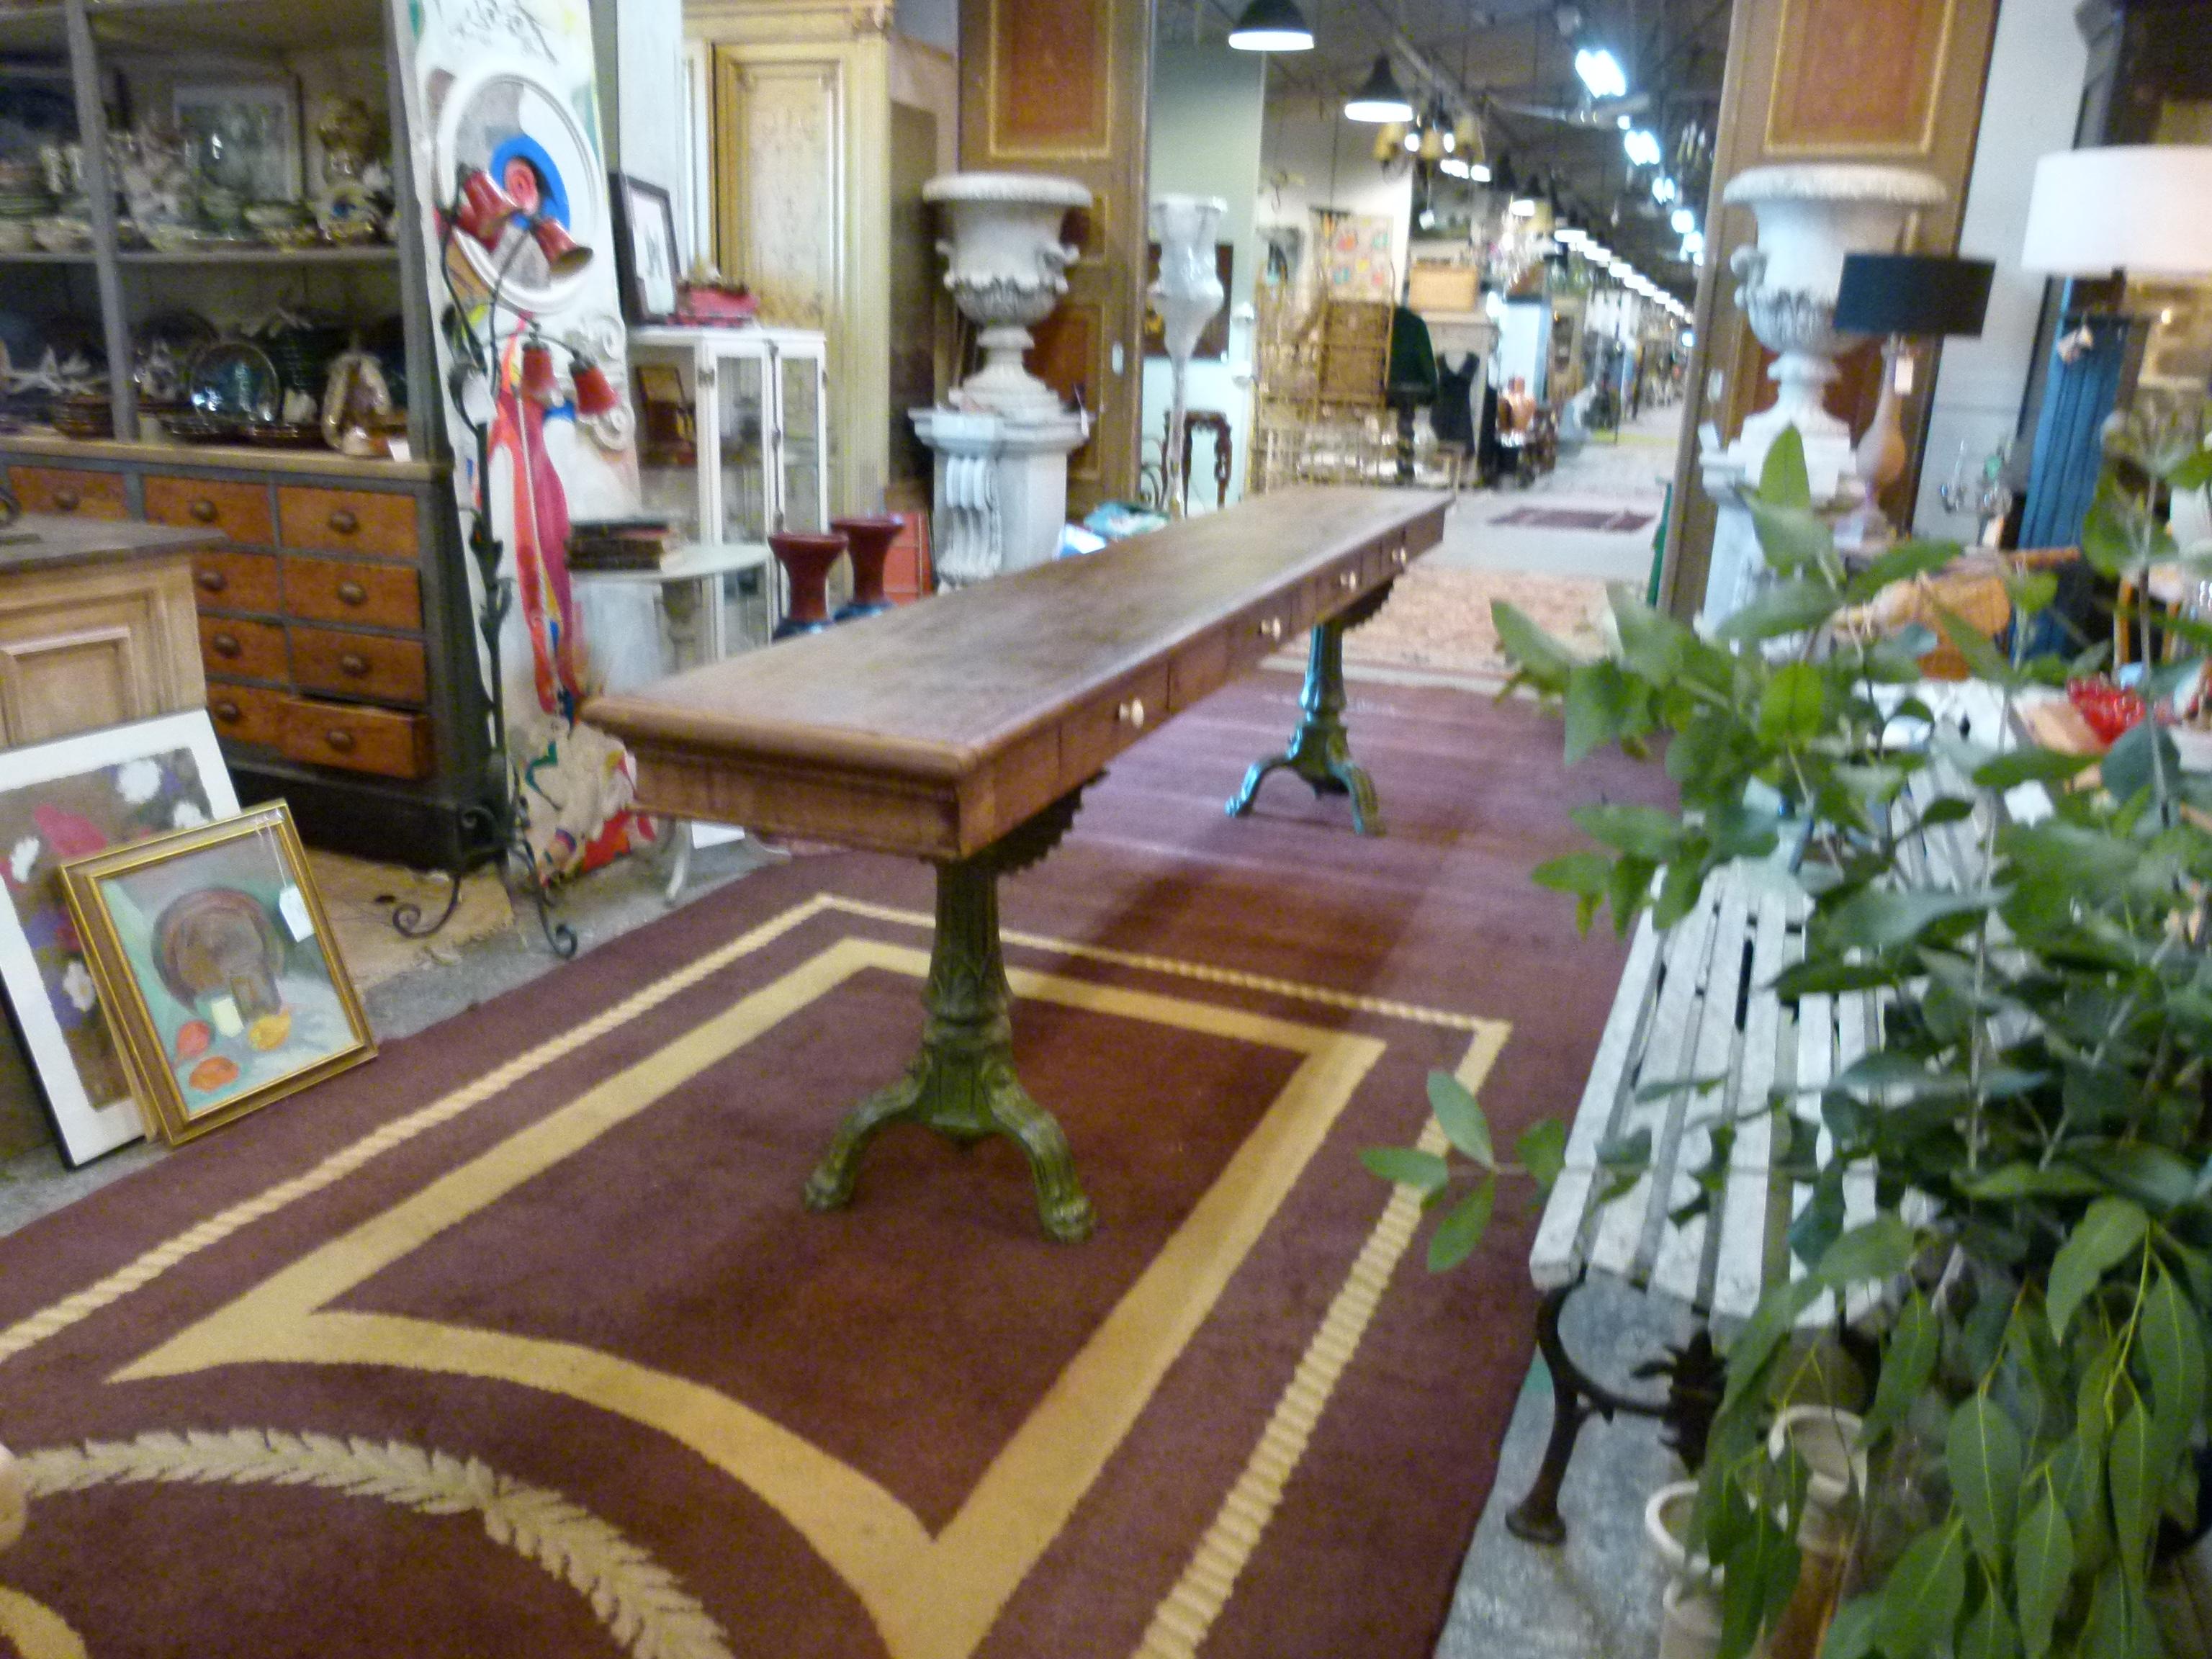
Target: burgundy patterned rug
{"x": 519, "y": 1340}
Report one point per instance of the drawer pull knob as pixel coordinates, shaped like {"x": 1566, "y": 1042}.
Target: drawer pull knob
{"x": 226, "y": 645}
{"x": 1348, "y": 580}
{"x": 344, "y": 522}
{"x": 1132, "y": 712}
{"x": 227, "y": 711}
{"x": 1272, "y": 629}
{"x": 351, "y": 592}
{"x": 340, "y": 740}
{"x": 1398, "y": 557}
{"x": 67, "y": 500}
{"x": 213, "y": 581}
{"x": 204, "y": 511}
{"x": 354, "y": 663}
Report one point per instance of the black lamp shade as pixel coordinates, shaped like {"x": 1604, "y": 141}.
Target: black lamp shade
{"x": 1271, "y": 26}
{"x": 1913, "y": 294}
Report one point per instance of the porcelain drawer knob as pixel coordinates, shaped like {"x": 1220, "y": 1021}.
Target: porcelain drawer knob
{"x": 1271, "y": 629}
{"x": 1398, "y": 557}
{"x": 344, "y": 522}
{"x": 204, "y": 511}
{"x": 1132, "y": 712}
{"x": 1348, "y": 580}
{"x": 352, "y": 594}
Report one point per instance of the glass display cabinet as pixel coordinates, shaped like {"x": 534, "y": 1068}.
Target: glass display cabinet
{"x": 733, "y": 429}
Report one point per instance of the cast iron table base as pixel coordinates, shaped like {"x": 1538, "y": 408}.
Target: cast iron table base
{"x": 1321, "y": 750}
{"x": 963, "y": 1082}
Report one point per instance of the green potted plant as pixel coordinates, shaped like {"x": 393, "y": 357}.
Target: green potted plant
{"x": 2040, "y": 1079}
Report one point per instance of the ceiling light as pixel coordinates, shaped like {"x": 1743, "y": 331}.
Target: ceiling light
{"x": 1600, "y": 72}
{"x": 1643, "y": 147}
{"x": 1624, "y": 122}
{"x": 1450, "y": 141}
{"x": 1452, "y": 166}
{"x": 1522, "y": 207}
{"x": 1478, "y": 172}
{"x": 1380, "y": 99}
{"x": 1271, "y": 26}
{"x": 1413, "y": 143}
{"x": 1693, "y": 241}
{"x": 1662, "y": 189}
{"x": 1684, "y": 222}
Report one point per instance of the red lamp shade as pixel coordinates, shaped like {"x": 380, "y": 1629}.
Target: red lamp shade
{"x": 538, "y": 382}
{"x": 595, "y": 394}
{"x": 481, "y": 208}
{"x": 564, "y": 254}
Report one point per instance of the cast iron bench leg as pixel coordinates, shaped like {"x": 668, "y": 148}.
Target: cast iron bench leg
{"x": 1321, "y": 750}
{"x": 1694, "y": 1374}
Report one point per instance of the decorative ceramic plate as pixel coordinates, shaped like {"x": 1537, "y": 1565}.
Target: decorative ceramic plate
{"x": 235, "y": 381}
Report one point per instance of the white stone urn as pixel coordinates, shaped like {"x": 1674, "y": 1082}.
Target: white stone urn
{"x": 1810, "y": 216}
{"x": 1187, "y": 295}
{"x": 1006, "y": 270}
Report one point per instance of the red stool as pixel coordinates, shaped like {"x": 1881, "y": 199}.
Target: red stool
{"x": 870, "y": 539}
{"x": 806, "y": 560}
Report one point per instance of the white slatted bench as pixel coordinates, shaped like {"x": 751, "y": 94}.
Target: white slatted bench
{"x": 1695, "y": 1003}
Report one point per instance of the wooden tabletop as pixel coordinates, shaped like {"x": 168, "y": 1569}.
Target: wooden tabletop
{"x": 41, "y": 541}
{"x": 935, "y": 728}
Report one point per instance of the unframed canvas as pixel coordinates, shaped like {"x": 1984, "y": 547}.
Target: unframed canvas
{"x": 215, "y": 967}
{"x": 59, "y": 801}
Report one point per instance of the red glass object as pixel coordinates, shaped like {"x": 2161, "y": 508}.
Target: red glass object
{"x": 481, "y": 208}
{"x": 870, "y": 539}
{"x": 538, "y": 382}
{"x": 2106, "y": 709}
{"x": 595, "y": 394}
{"x": 806, "y": 560}
{"x": 564, "y": 254}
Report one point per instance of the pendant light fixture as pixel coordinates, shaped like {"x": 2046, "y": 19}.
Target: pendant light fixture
{"x": 1271, "y": 26}
{"x": 1380, "y": 99}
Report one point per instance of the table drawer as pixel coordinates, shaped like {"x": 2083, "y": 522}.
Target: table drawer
{"x": 1103, "y": 727}
{"x": 62, "y": 489}
{"x": 247, "y": 714}
{"x": 223, "y": 580}
{"x": 347, "y": 521}
{"x": 359, "y": 739}
{"x": 240, "y": 511}
{"x": 366, "y": 666}
{"x": 1334, "y": 590}
{"x": 229, "y": 645}
{"x": 373, "y": 595}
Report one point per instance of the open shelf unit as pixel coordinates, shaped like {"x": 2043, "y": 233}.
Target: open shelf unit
{"x": 337, "y": 621}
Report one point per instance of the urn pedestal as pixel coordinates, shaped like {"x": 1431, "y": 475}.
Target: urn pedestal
{"x": 1002, "y": 446}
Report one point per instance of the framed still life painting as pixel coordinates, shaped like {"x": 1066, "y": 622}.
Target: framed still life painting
{"x": 62, "y": 800}
{"x": 216, "y": 967}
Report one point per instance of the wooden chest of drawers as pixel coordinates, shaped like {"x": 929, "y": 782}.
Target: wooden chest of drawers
{"x": 334, "y": 626}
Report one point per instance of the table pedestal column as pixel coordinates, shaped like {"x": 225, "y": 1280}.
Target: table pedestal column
{"x": 963, "y": 1083}
{"x": 1321, "y": 750}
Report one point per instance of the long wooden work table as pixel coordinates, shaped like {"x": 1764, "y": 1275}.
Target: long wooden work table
{"x": 963, "y": 729}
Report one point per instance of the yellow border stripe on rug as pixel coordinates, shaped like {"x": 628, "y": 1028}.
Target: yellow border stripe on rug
{"x": 1184, "y": 1616}
{"x": 136, "y": 1275}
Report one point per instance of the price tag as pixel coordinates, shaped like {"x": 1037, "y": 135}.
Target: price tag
{"x": 292, "y": 905}
{"x": 224, "y": 1013}
{"x": 400, "y": 449}
{"x": 1903, "y": 378}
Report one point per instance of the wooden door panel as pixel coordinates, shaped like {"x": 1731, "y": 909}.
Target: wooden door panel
{"x": 1060, "y": 87}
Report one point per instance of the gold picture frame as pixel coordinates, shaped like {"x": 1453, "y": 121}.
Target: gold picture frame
{"x": 214, "y": 965}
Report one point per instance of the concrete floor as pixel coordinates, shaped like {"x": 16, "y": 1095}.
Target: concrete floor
{"x": 1631, "y": 472}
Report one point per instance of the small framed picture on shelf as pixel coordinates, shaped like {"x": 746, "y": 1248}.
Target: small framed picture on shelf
{"x": 215, "y": 962}
{"x": 645, "y": 249}
{"x": 243, "y": 137}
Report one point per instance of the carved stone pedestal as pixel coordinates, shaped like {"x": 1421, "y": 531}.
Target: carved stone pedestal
{"x": 1001, "y": 488}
